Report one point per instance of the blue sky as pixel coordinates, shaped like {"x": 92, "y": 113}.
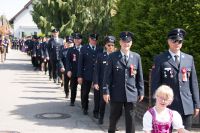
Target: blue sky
{"x": 10, "y": 8}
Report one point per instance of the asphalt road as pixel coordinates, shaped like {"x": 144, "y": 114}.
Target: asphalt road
{"x": 30, "y": 103}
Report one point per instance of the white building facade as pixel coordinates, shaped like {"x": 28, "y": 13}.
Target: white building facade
{"x": 23, "y": 24}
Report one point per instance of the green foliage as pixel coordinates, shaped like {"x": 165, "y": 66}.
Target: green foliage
{"x": 151, "y": 20}
{"x": 69, "y": 16}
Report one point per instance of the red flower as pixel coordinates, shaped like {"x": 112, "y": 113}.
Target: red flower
{"x": 183, "y": 70}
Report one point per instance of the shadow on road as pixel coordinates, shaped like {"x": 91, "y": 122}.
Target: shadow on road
{"x": 15, "y": 67}
{"x": 41, "y": 91}
{"x": 42, "y": 87}
{"x": 18, "y": 59}
{"x": 41, "y": 98}
{"x": 77, "y": 119}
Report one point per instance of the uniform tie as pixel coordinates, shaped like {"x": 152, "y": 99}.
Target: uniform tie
{"x": 93, "y": 48}
{"x": 56, "y": 39}
{"x": 177, "y": 60}
{"x": 78, "y": 48}
{"x": 126, "y": 59}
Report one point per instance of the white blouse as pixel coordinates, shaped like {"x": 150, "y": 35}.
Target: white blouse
{"x": 164, "y": 116}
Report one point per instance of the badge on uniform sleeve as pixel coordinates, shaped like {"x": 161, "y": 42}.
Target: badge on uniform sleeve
{"x": 74, "y": 57}
{"x": 184, "y": 73}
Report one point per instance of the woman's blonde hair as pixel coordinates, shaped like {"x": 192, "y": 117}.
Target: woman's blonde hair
{"x": 165, "y": 91}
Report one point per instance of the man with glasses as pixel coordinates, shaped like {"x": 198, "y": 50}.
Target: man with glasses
{"x": 176, "y": 69}
{"x": 123, "y": 84}
{"x": 99, "y": 103}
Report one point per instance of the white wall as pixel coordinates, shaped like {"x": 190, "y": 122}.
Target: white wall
{"x": 24, "y": 23}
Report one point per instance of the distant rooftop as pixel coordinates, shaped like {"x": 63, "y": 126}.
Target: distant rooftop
{"x": 25, "y": 7}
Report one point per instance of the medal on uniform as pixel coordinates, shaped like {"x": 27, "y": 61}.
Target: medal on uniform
{"x": 117, "y": 68}
{"x": 188, "y": 73}
{"x": 171, "y": 74}
{"x": 132, "y": 70}
{"x": 184, "y": 73}
{"x": 165, "y": 74}
{"x": 74, "y": 57}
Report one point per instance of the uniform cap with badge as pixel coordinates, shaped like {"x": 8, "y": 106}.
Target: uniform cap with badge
{"x": 55, "y": 30}
{"x": 126, "y": 36}
{"x": 69, "y": 39}
{"x": 77, "y": 35}
{"x": 109, "y": 39}
{"x": 94, "y": 36}
{"x": 34, "y": 37}
{"x": 176, "y": 34}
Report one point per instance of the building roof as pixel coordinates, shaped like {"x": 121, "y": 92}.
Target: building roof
{"x": 25, "y": 7}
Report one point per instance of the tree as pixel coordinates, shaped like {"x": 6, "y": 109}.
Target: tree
{"x": 49, "y": 14}
{"x": 151, "y": 20}
{"x": 4, "y": 25}
{"x": 73, "y": 15}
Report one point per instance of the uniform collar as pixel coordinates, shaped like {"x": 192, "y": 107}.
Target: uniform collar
{"x": 124, "y": 54}
{"x": 173, "y": 54}
{"x": 91, "y": 46}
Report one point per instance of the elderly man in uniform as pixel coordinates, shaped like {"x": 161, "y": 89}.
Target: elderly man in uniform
{"x": 86, "y": 63}
{"x": 123, "y": 83}
{"x": 176, "y": 69}
{"x": 54, "y": 46}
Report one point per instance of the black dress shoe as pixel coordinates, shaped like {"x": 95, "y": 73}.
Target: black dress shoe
{"x": 96, "y": 115}
{"x": 67, "y": 96}
{"x": 62, "y": 84}
{"x": 100, "y": 121}
{"x": 85, "y": 112}
{"x": 72, "y": 104}
{"x": 116, "y": 129}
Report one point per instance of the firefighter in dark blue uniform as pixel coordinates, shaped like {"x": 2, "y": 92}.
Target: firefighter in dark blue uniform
{"x": 98, "y": 76}
{"x": 38, "y": 53}
{"x": 46, "y": 54}
{"x": 72, "y": 65}
{"x": 27, "y": 44}
{"x": 54, "y": 46}
{"x": 86, "y": 63}
{"x": 48, "y": 61}
{"x": 63, "y": 63}
{"x": 123, "y": 83}
{"x": 177, "y": 70}
{"x": 30, "y": 47}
